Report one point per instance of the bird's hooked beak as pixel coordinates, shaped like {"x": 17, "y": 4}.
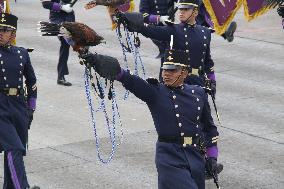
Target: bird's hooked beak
{"x": 64, "y": 32}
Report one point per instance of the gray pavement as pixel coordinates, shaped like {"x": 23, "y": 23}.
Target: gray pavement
{"x": 250, "y": 98}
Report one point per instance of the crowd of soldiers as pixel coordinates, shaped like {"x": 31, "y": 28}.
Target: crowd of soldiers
{"x": 187, "y": 135}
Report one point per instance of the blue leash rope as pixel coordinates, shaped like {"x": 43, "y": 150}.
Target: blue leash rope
{"x": 110, "y": 127}
{"x": 135, "y": 52}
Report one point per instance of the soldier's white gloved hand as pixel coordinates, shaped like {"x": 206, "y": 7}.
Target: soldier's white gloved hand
{"x": 163, "y": 19}
{"x": 67, "y": 8}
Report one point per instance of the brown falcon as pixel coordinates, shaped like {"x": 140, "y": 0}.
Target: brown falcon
{"x": 78, "y": 35}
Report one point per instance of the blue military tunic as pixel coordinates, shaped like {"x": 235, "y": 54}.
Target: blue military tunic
{"x": 176, "y": 112}
{"x": 15, "y": 65}
{"x": 58, "y": 16}
{"x": 194, "y": 40}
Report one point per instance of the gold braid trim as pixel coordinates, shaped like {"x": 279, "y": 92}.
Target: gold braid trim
{"x": 260, "y": 12}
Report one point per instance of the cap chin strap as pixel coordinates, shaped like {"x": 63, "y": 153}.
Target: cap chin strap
{"x": 189, "y": 16}
{"x": 9, "y": 42}
{"x": 177, "y": 77}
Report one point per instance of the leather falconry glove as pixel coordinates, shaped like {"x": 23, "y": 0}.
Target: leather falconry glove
{"x": 211, "y": 166}
{"x": 106, "y": 66}
{"x": 134, "y": 21}
{"x": 30, "y": 117}
{"x": 213, "y": 87}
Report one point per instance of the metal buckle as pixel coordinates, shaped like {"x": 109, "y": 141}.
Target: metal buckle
{"x": 195, "y": 71}
{"x": 13, "y": 91}
{"x": 187, "y": 140}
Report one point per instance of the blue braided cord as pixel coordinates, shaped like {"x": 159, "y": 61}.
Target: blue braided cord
{"x": 97, "y": 97}
{"x": 116, "y": 112}
{"x": 136, "y": 55}
{"x": 126, "y": 94}
{"x": 130, "y": 44}
{"x": 112, "y": 133}
{"x": 123, "y": 49}
{"x": 111, "y": 130}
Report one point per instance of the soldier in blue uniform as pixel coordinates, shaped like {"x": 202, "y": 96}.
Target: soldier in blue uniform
{"x": 183, "y": 124}
{"x": 189, "y": 36}
{"x": 61, "y": 11}
{"x": 157, "y": 12}
{"x": 15, "y": 111}
{"x": 204, "y": 19}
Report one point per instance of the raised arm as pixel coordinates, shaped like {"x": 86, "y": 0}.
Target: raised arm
{"x": 139, "y": 87}
{"x": 135, "y": 22}
{"x": 109, "y": 68}
{"x": 160, "y": 33}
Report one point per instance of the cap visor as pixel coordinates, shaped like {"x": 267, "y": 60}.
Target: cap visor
{"x": 170, "y": 67}
{"x": 7, "y": 28}
{"x": 186, "y": 6}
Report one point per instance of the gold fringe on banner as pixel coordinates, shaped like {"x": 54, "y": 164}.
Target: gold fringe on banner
{"x": 220, "y": 29}
{"x": 260, "y": 12}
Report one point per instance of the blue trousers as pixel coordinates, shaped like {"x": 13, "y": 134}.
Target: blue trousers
{"x": 14, "y": 170}
{"x": 179, "y": 167}
{"x": 62, "y": 67}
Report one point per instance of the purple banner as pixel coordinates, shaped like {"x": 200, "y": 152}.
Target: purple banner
{"x": 254, "y": 8}
{"x": 222, "y": 12}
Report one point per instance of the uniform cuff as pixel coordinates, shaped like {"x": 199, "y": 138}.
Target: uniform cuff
{"x": 212, "y": 151}
{"x": 31, "y": 103}
{"x": 153, "y": 19}
{"x": 120, "y": 75}
{"x": 211, "y": 76}
{"x": 56, "y": 7}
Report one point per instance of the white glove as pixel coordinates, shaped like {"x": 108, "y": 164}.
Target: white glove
{"x": 163, "y": 19}
{"x": 67, "y": 8}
